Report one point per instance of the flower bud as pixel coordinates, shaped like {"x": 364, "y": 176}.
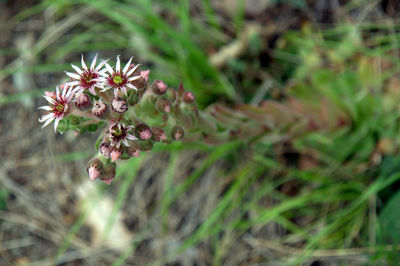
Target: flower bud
{"x": 159, "y": 87}
{"x": 115, "y": 154}
{"x": 95, "y": 168}
{"x": 158, "y": 134}
{"x": 51, "y": 94}
{"x": 146, "y": 145}
{"x": 133, "y": 150}
{"x": 82, "y": 101}
{"x": 100, "y": 109}
{"x": 119, "y": 105}
{"x": 108, "y": 173}
{"x": 177, "y": 133}
{"x": 163, "y": 105}
{"x": 105, "y": 149}
{"x": 143, "y": 132}
{"x": 188, "y": 97}
{"x": 171, "y": 95}
{"x": 145, "y": 74}
{"x": 141, "y": 83}
{"x": 133, "y": 98}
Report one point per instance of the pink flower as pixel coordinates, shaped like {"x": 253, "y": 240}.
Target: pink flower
{"x": 59, "y": 105}
{"x": 119, "y": 133}
{"x": 87, "y": 78}
{"x": 119, "y": 80}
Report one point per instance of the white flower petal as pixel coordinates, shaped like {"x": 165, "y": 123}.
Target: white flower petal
{"x": 77, "y": 69}
{"x": 56, "y": 124}
{"x": 132, "y": 70}
{"x": 73, "y": 75}
{"x": 48, "y": 120}
{"x": 83, "y": 63}
{"x": 124, "y": 90}
{"x": 131, "y": 86}
{"x": 47, "y": 108}
{"x": 73, "y": 83}
{"x": 93, "y": 62}
{"x": 57, "y": 93}
{"x": 125, "y": 142}
{"x": 101, "y": 64}
{"x": 49, "y": 99}
{"x": 109, "y": 68}
{"x": 118, "y": 65}
{"x": 129, "y": 136}
{"x": 127, "y": 65}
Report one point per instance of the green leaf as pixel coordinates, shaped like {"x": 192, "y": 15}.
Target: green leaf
{"x": 390, "y": 219}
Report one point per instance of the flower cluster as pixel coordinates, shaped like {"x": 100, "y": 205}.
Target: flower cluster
{"x": 117, "y": 100}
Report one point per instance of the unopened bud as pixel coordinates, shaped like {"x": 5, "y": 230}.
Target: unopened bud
{"x": 115, "y": 154}
{"x": 171, "y": 95}
{"x": 133, "y": 150}
{"x": 163, "y": 105}
{"x": 143, "y": 132}
{"x": 108, "y": 173}
{"x": 100, "y": 109}
{"x": 105, "y": 149}
{"x": 145, "y": 74}
{"x": 159, "y": 87}
{"x": 133, "y": 98}
{"x": 177, "y": 133}
{"x": 141, "y": 83}
{"x": 82, "y": 101}
{"x": 119, "y": 105}
{"x": 51, "y": 94}
{"x": 188, "y": 97}
{"x": 95, "y": 168}
{"x": 158, "y": 134}
{"x": 146, "y": 145}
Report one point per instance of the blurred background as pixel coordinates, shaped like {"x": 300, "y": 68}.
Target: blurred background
{"x": 327, "y": 196}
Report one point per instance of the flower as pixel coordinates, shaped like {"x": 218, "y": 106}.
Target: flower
{"x": 100, "y": 109}
{"x": 82, "y": 101}
{"x": 119, "y": 133}
{"x": 119, "y": 105}
{"x": 59, "y": 105}
{"x": 87, "y": 78}
{"x": 119, "y": 80}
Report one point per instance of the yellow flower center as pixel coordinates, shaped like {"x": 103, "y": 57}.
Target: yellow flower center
{"x": 118, "y": 80}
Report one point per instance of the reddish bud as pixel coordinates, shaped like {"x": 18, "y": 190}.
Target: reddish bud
{"x": 177, "y": 133}
{"x": 133, "y": 150}
{"x": 145, "y": 74}
{"x": 108, "y": 173}
{"x": 82, "y": 101}
{"x": 115, "y": 154}
{"x": 143, "y": 132}
{"x": 188, "y": 97}
{"x": 95, "y": 168}
{"x": 159, "y": 87}
{"x": 158, "y": 134}
{"x": 100, "y": 109}
{"x": 119, "y": 105}
{"x": 163, "y": 105}
{"x": 105, "y": 149}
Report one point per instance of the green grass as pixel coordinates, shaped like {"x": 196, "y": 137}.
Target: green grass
{"x": 335, "y": 64}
